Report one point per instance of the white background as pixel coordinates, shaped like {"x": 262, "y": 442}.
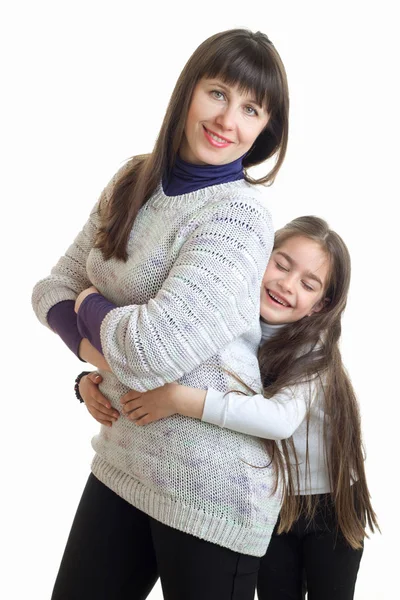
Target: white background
{"x": 84, "y": 86}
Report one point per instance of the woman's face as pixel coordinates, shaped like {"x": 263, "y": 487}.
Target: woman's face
{"x": 294, "y": 281}
{"x": 222, "y": 124}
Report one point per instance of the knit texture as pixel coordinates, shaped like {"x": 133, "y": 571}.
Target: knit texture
{"x": 188, "y": 311}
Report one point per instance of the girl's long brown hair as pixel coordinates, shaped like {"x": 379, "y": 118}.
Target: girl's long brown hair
{"x": 238, "y": 57}
{"x": 283, "y": 362}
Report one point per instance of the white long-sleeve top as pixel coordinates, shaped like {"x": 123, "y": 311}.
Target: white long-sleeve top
{"x": 278, "y": 418}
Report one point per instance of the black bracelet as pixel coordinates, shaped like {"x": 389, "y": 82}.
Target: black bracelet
{"x": 76, "y": 387}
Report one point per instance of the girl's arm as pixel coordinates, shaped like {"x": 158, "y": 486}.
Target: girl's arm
{"x": 275, "y": 418}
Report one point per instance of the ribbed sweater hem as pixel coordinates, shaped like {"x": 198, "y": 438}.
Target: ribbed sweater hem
{"x": 211, "y": 528}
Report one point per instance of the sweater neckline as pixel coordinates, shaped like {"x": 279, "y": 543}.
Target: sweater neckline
{"x": 160, "y": 198}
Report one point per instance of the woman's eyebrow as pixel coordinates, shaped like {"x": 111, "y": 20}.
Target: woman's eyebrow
{"x": 292, "y": 262}
{"x": 226, "y": 89}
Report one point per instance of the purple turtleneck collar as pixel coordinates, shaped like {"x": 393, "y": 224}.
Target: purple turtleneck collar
{"x": 186, "y": 177}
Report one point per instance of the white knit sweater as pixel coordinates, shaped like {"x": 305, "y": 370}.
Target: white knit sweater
{"x": 189, "y": 312}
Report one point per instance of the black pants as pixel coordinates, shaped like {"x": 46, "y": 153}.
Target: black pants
{"x": 310, "y": 556}
{"x": 116, "y": 552}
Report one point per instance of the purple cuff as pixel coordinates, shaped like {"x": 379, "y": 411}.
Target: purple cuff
{"x": 62, "y": 319}
{"x": 90, "y": 317}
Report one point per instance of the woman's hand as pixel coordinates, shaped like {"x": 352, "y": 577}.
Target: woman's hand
{"x": 82, "y": 296}
{"x": 97, "y": 404}
{"x": 146, "y": 407}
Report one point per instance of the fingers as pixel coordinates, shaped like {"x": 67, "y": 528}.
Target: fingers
{"x": 140, "y": 416}
{"x": 136, "y": 414}
{"x": 145, "y": 420}
{"x": 134, "y": 409}
{"x": 89, "y": 391}
{"x": 95, "y": 377}
{"x": 131, "y": 408}
{"x": 107, "y": 413}
{"x": 97, "y": 417}
{"x": 131, "y": 395}
{"x": 101, "y": 414}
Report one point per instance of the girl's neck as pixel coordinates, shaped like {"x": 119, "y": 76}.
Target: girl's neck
{"x": 268, "y": 330}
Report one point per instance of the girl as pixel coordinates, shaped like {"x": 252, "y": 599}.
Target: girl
{"x": 177, "y": 246}
{"x": 310, "y": 400}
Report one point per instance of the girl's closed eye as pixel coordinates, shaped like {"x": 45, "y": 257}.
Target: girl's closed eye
{"x": 307, "y": 286}
{"x": 281, "y": 267}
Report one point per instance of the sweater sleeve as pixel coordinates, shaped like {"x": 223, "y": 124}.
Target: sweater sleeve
{"x": 69, "y": 276}
{"x": 63, "y": 320}
{"x": 275, "y": 418}
{"x": 210, "y": 297}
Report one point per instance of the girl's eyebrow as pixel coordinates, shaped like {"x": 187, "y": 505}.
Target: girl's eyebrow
{"x": 226, "y": 89}
{"x": 292, "y": 262}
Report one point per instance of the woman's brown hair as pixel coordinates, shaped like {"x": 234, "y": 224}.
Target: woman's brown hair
{"x": 308, "y": 350}
{"x": 237, "y": 57}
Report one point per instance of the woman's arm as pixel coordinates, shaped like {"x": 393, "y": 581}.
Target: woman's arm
{"x": 210, "y": 297}
{"x": 69, "y": 276}
{"x": 275, "y": 418}
{"x": 89, "y": 354}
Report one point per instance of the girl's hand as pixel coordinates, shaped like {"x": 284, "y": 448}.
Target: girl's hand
{"x": 82, "y": 296}
{"x": 145, "y": 407}
{"x": 170, "y": 399}
{"x": 97, "y": 404}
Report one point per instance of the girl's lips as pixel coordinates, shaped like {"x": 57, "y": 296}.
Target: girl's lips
{"x": 273, "y": 297}
{"x": 214, "y": 142}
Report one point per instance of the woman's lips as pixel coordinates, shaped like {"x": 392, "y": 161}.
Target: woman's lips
{"x": 216, "y": 140}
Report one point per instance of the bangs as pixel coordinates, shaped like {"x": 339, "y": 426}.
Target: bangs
{"x": 251, "y": 70}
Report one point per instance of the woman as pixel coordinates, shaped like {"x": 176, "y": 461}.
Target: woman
{"x": 178, "y": 265}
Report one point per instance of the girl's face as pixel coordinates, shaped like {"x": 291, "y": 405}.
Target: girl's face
{"x": 222, "y": 124}
{"x": 294, "y": 281}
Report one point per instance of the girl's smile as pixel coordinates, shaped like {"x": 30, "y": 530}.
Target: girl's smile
{"x": 276, "y": 298}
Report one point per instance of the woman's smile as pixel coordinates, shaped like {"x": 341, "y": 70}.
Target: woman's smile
{"x": 222, "y": 124}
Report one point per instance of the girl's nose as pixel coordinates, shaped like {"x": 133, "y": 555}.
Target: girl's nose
{"x": 287, "y": 284}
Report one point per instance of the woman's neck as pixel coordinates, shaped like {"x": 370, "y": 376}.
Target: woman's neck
{"x": 187, "y": 177}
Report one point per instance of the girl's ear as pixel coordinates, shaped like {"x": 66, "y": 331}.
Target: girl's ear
{"x": 318, "y": 306}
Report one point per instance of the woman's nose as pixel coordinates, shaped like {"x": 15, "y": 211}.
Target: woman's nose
{"x": 226, "y": 118}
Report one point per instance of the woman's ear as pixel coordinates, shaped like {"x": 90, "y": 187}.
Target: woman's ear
{"x": 318, "y": 306}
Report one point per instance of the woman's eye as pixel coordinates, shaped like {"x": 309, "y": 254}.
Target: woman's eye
{"x": 217, "y": 95}
{"x": 249, "y": 110}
